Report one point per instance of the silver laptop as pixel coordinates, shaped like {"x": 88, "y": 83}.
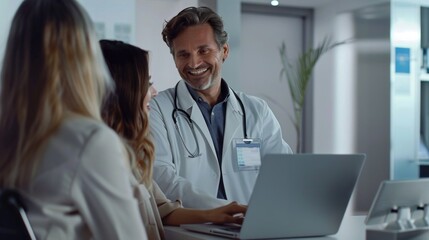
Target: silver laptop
{"x": 395, "y": 194}
{"x": 295, "y": 195}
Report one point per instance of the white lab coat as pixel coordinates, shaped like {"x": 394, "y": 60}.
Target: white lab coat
{"x": 195, "y": 181}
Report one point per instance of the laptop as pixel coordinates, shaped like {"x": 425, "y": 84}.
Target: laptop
{"x": 295, "y": 195}
{"x": 411, "y": 195}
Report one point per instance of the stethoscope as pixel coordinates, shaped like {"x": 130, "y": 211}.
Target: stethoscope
{"x": 177, "y": 111}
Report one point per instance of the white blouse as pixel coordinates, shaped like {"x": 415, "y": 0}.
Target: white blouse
{"x": 82, "y": 188}
{"x": 154, "y": 205}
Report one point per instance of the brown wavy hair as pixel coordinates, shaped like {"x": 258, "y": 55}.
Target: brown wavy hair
{"x": 193, "y": 16}
{"x": 123, "y": 110}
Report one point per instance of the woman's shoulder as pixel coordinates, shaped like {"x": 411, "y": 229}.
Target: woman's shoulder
{"x": 165, "y": 96}
{"x": 79, "y": 144}
{"x": 79, "y": 129}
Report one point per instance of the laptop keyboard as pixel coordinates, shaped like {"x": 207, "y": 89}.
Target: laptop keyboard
{"x": 231, "y": 228}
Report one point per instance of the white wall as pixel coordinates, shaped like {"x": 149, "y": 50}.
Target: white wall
{"x": 147, "y": 19}
{"x": 260, "y": 63}
{"x": 117, "y": 21}
{"x": 324, "y": 84}
{"x": 405, "y": 97}
{"x": 330, "y": 108}
{"x": 119, "y": 13}
{"x": 7, "y": 10}
{"x": 150, "y": 18}
{"x": 352, "y": 91}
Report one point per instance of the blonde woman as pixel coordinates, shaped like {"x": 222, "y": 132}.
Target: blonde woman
{"x": 70, "y": 168}
{"x": 126, "y": 111}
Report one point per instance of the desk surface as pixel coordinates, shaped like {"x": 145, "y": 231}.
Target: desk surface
{"x": 352, "y": 228}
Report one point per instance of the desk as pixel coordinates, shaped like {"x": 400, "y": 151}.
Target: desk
{"x": 352, "y": 228}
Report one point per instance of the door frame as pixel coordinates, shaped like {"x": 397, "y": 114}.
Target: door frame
{"x": 307, "y": 16}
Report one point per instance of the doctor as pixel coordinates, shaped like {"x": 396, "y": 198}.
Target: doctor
{"x": 209, "y": 139}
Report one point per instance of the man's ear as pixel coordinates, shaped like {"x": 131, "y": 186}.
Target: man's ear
{"x": 225, "y": 50}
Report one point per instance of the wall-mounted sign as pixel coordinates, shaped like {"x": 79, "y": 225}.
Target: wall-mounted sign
{"x": 402, "y": 60}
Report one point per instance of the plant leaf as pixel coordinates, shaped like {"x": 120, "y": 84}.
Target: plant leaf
{"x": 298, "y": 76}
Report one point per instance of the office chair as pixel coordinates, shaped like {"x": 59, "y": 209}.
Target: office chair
{"x": 14, "y": 222}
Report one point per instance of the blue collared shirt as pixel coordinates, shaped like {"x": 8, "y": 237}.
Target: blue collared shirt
{"x": 215, "y": 120}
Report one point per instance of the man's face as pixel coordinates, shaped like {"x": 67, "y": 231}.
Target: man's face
{"x": 198, "y": 58}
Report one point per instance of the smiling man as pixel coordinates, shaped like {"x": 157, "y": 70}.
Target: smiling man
{"x": 209, "y": 139}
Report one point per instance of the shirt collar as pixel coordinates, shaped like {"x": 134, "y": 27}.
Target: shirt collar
{"x": 223, "y": 97}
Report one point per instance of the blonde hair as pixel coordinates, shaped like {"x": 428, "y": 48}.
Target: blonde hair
{"x": 52, "y": 66}
{"x": 123, "y": 110}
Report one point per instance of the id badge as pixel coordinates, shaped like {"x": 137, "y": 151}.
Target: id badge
{"x": 247, "y": 154}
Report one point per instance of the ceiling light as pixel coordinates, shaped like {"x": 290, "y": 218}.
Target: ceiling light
{"x": 274, "y": 3}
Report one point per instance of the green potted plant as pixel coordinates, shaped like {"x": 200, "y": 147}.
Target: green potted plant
{"x": 298, "y": 76}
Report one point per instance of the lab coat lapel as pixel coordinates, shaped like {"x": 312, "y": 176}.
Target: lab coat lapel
{"x": 233, "y": 122}
{"x": 187, "y": 103}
